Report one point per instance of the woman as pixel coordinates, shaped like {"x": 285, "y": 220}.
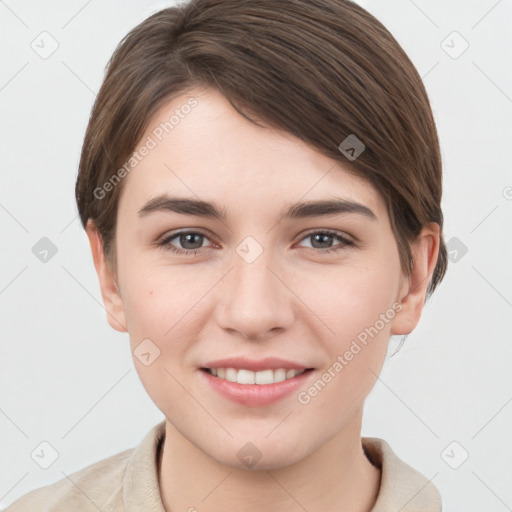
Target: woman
{"x": 260, "y": 183}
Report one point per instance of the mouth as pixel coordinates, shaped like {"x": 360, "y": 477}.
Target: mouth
{"x": 255, "y": 382}
{"x": 261, "y": 378}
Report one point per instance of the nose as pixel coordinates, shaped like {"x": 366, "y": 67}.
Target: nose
{"x": 255, "y": 300}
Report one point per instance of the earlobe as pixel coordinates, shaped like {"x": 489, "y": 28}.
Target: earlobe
{"x": 413, "y": 292}
{"x": 109, "y": 290}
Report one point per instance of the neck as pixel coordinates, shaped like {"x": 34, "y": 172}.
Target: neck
{"x": 337, "y": 477}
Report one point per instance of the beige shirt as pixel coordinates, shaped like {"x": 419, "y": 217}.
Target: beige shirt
{"x": 128, "y": 481}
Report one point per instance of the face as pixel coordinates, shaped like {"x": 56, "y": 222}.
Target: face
{"x": 272, "y": 292}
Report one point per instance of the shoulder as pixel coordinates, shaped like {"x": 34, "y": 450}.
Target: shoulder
{"x": 94, "y": 487}
{"x": 126, "y": 480}
{"x": 402, "y": 487}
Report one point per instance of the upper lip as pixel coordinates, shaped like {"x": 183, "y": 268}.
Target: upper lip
{"x": 268, "y": 363}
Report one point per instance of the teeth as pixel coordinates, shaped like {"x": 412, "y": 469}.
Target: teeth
{"x": 231, "y": 374}
{"x": 263, "y": 377}
{"x": 279, "y": 375}
{"x": 249, "y": 377}
{"x": 290, "y": 374}
{"x": 245, "y": 377}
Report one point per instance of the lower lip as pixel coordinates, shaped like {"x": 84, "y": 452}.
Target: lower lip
{"x": 254, "y": 395}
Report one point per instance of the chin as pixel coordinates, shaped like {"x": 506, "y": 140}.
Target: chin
{"x": 259, "y": 454}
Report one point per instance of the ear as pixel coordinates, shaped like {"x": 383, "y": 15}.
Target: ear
{"x": 413, "y": 291}
{"x": 109, "y": 290}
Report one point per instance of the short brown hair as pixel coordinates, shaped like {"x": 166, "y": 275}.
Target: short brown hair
{"x": 322, "y": 70}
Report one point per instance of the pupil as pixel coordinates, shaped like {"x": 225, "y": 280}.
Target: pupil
{"x": 324, "y": 236}
{"x": 188, "y": 237}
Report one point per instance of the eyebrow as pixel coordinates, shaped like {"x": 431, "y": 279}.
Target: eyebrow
{"x": 321, "y": 208}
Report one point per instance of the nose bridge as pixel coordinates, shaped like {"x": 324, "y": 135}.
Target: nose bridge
{"x": 256, "y": 301}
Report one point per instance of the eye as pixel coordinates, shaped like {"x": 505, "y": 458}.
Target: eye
{"x": 322, "y": 241}
{"x": 191, "y": 242}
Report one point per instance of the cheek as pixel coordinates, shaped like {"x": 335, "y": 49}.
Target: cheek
{"x": 154, "y": 295}
{"x": 351, "y": 300}
{"x": 357, "y": 310}
{"x": 165, "y": 304}
{"x": 355, "y": 354}
{"x": 159, "y": 306}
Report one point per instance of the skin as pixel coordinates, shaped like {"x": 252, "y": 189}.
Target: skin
{"x": 294, "y": 301}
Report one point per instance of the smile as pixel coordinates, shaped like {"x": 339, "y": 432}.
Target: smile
{"x": 263, "y": 377}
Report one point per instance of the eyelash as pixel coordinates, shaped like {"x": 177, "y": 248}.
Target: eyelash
{"x": 166, "y": 246}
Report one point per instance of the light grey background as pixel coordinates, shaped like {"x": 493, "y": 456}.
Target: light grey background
{"x": 67, "y": 378}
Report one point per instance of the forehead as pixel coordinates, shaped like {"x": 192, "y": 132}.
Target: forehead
{"x": 203, "y": 148}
